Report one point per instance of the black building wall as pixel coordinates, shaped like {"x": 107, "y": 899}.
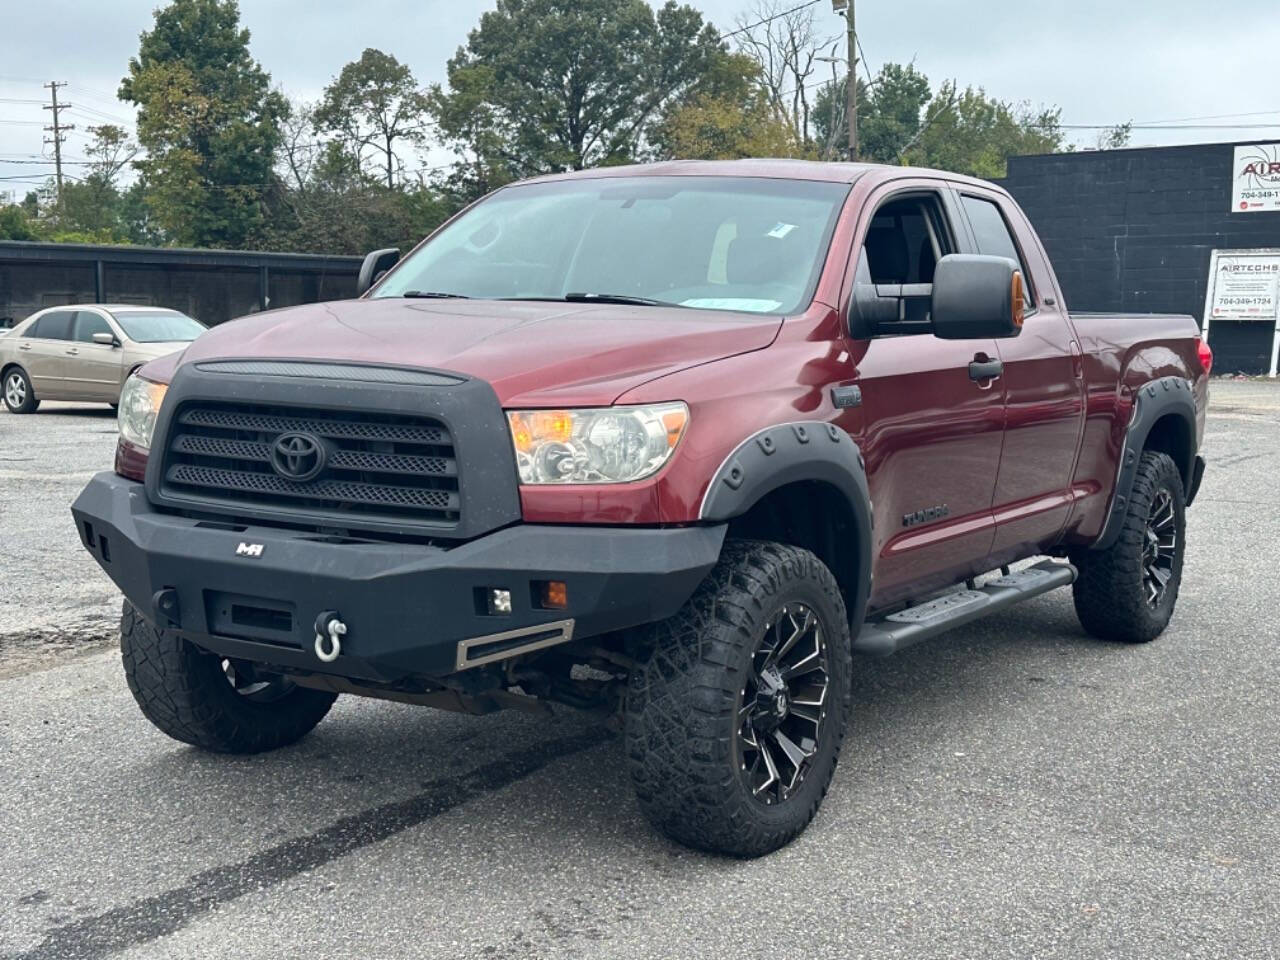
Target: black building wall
{"x": 211, "y": 285}
{"x": 1132, "y": 231}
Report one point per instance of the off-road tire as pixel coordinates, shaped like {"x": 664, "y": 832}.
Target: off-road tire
{"x": 30, "y": 403}
{"x": 186, "y": 694}
{"x": 1110, "y": 595}
{"x": 682, "y": 722}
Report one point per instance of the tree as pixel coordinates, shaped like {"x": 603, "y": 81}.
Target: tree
{"x": 902, "y": 122}
{"x": 969, "y": 132}
{"x": 374, "y": 103}
{"x": 726, "y": 116}
{"x": 551, "y": 85}
{"x": 785, "y": 42}
{"x": 890, "y": 114}
{"x": 92, "y": 207}
{"x": 209, "y": 122}
{"x": 1117, "y": 137}
{"x": 15, "y": 225}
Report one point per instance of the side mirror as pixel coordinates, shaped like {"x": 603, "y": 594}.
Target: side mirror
{"x": 374, "y": 266}
{"x": 879, "y": 309}
{"x": 977, "y": 297}
{"x": 106, "y": 339}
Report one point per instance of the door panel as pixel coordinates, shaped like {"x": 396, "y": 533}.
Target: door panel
{"x": 930, "y": 434}
{"x": 931, "y": 442}
{"x": 43, "y": 357}
{"x": 93, "y": 370}
{"x": 1043, "y": 389}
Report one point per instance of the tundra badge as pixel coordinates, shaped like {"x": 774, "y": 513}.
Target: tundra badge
{"x": 925, "y": 516}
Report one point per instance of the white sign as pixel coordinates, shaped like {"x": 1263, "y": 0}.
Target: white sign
{"x": 1256, "y": 178}
{"x": 1244, "y": 286}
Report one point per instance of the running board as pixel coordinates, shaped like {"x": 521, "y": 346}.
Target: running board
{"x": 908, "y": 627}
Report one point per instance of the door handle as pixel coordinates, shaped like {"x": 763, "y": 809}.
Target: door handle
{"x": 24, "y": 346}
{"x": 981, "y": 369}
{"x": 73, "y": 352}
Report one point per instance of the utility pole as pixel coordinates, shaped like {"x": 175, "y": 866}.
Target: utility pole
{"x": 846, "y": 9}
{"x": 57, "y": 129}
{"x": 851, "y": 91}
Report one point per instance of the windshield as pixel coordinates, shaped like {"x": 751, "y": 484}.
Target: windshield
{"x": 713, "y": 243}
{"x": 158, "y": 326}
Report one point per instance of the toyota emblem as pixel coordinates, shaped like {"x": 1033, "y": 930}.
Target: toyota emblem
{"x": 298, "y": 456}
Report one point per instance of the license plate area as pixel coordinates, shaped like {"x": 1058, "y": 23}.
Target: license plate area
{"x": 250, "y": 618}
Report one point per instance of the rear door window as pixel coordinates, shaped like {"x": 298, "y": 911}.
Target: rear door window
{"x": 89, "y": 323}
{"x": 53, "y": 326}
{"x": 994, "y": 238}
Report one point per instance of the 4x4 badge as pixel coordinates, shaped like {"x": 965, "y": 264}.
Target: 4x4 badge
{"x": 249, "y": 550}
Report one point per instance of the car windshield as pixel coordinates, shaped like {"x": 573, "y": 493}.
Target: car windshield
{"x": 158, "y": 326}
{"x": 713, "y": 243}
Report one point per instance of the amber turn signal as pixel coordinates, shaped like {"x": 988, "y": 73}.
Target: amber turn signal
{"x": 554, "y": 595}
{"x": 1019, "y": 300}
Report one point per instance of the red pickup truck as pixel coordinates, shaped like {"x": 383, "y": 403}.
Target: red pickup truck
{"x": 672, "y": 443}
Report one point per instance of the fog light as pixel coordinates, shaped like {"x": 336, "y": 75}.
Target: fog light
{"x": 499, "y": 601}
{"x": 554, "y": 595}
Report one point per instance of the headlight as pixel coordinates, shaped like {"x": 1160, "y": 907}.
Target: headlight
{"x": 609, "y": 445}
{"x": 139, "y": 404}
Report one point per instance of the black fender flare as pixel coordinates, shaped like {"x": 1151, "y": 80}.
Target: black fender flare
{"x": 774, "y": 457}
{"x": 1153, "y": 401}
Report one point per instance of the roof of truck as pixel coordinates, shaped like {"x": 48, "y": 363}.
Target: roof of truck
{"x": 781, "y": 168}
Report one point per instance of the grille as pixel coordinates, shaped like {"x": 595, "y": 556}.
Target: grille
{"x": 383, "y": 467}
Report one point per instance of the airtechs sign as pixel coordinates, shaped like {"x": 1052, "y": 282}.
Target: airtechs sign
{"x": 1256, "y": 178}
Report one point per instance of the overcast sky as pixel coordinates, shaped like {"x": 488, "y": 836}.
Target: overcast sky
{"x": 1102, "y": 62}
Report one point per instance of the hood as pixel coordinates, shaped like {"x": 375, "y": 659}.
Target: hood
{"x": 536, "y": 354}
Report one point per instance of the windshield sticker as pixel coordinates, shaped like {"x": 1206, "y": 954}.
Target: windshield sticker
{"x": 732, "y": 303}
{"x": 780, "y": 230}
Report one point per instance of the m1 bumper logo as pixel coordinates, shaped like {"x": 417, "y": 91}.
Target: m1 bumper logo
{"x": 253, "y": 550}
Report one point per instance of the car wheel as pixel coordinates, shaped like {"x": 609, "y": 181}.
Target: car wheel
{"x": 734, "y": 721}
{"x": 208, "y": 701}
{"x": 19, "y": 395}
{"x": 1127, "y": 592}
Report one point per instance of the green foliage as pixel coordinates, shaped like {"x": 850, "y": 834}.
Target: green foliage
{"x": 901, "y": 121}
{"x": 15, "y": 225}
{"x": 209, "y": 123}
{"x": 374, "y": 104}
{"x": 968, "y": 132}
{"x": 540, "y": 86}
{"x": 551, "y": 85}
{"x": 1117, "y": 137}
{"x": 727, "y": 115}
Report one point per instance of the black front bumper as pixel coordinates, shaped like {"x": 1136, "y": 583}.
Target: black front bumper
{"x": 411, "y": 609}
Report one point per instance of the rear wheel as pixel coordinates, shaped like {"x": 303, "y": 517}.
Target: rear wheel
{"x": 222, "y": 705}
{"x": 19, "y": 396}
{"x": 1128, "y": 592}
{"x": 734, "y": 723}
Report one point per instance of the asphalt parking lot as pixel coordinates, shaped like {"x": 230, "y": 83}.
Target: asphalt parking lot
{"x": 1013, "y": 790}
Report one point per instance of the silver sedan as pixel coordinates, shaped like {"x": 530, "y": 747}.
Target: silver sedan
{"x": 85, "y": 352}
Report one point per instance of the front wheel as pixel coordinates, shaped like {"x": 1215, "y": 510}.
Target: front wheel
{"x": 734, "y": 722}
{"x": 19, "y": 396}
{"x": 1127, "y": 592}
{"x": 210, "y": 702}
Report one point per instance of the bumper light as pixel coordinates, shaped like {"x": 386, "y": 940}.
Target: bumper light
{"x": 607, "y": 445}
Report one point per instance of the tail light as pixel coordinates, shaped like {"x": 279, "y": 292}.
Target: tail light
{"x": 1206, "y": 355}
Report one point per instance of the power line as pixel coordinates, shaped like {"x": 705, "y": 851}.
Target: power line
{"x": 768, "y": 19}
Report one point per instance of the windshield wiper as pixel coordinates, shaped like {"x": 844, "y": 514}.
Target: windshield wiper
{"x": 617, "y": 298}
{"x": 434, "y": 295}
